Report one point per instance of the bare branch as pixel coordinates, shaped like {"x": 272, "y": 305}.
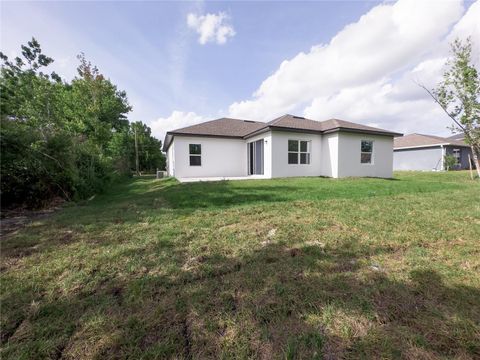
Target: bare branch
{"x": 438, "y": 102}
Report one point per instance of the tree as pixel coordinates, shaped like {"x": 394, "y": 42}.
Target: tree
{"x": 149, "y": 148}
{"x": 449, "y": 162}
{"x": 59, "y": 138}
{"x": 459, "y": 96}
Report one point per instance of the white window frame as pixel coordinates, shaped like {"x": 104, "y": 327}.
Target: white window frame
{"x": 455, "y": 152}
{"x": 372, "y": 157}
{"x": 197, "y": 155}
{"x": 299, "y": 152}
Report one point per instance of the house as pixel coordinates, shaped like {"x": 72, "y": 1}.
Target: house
{"x": 460, "y": 136}
{"x": 286, "y": 146}
{"x": 426, "y": 152}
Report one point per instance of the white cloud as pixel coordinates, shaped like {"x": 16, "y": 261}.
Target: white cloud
{"x": 176, "y": 120}
{"x": 367, "y": 72}
{"x": 400, "y": 104}
{"x": 211, "y": 27}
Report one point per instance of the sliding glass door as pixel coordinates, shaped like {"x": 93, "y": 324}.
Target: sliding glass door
{"x": 255, "y": 157}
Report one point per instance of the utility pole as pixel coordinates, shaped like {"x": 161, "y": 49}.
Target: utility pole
{"x": 137, "y": 165}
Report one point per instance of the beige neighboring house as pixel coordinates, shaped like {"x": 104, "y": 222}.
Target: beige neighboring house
{"x": 426, "y": 152}
{"x": 286, "y": 146}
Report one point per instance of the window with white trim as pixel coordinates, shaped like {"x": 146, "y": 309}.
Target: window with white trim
{"x": 195, "y": 153}
{"x": 366, "y": 155}
{"x": 456, "y": 155}
{"x": 299, "y": 152}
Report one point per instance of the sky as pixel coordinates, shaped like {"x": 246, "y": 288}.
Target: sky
{"x": 186, "y": 62}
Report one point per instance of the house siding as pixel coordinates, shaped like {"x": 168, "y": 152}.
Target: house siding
{"x": 428, "y": 158}
{"x": 349, "y": 150}
{"x": 418, "y": 159}
{"x": 333, "y": 155}
{"x": 281, "y": 167}
{"x": 221, "y": 157}
{"x": 464, "y": 151}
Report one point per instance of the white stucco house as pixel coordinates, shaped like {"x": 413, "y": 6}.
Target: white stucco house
{"x": 287, "y": 146}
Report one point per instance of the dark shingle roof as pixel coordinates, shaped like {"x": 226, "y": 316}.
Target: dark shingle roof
{"x": 225, "y": 127}
{"x": 457, "y": 137}
{"x": 416, "y": 140}
{"x": 236, "y": 128}
{"x": 301, "y": 123}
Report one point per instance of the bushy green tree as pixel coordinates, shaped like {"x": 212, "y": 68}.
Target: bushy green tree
{"x": 63, "y": 139}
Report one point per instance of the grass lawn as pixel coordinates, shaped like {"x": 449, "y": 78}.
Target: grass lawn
{"x": 291, "y": 268}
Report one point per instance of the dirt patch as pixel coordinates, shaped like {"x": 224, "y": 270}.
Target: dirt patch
{"x": 294, "y": 252}
{"x": 23, "y": 331}
{"x": 7, "y": 333}
{"x": 399, "y": 305}
{"x": 194, "y": 262}
{"x": 13, "y": 220}
{"x": 333, "y": 349}
{"x": 344, "y": 265}
{"x": 187, "y": 338}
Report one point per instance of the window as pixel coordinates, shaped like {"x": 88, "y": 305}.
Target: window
{"x": 195, "y": 151}
{"x": 366, "y": 152}
{"x": 298, "y": 152}
{"x": 456, "y": 155}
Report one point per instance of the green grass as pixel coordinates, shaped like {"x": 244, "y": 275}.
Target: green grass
{"x": 298, "y": 268}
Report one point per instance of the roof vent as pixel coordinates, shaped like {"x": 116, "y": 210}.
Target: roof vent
{"x": 250, "y": 121}
{"x": 298, "y": 117}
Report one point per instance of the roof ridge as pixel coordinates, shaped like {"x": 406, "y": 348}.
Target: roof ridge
{"x": 331, "y": 119}
{"x": 274, "y": 121}
{"x": 433, "y": 136}
{"x": 203, "y": 122}
{"x": 249, "y": 120}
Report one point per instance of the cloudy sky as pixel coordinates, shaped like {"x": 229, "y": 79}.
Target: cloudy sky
{"x": 186, "y": 62}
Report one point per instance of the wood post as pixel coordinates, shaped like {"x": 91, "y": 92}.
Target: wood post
{"x": 470, "y": 165}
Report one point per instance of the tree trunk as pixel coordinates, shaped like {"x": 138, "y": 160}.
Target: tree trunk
{"x": 476, "y": 157}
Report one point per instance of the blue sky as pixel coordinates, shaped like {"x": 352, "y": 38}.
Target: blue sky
{"x": 172, "y": 80}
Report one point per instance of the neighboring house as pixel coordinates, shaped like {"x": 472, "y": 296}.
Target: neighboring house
{"x": 426, "y": 152}
{"x": 287, "y": 146}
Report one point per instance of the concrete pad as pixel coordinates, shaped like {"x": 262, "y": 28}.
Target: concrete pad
{"x": 220, "y": 178}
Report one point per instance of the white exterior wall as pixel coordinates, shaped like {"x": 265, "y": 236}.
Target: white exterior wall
{"x": 221, "y": 157}
{"x": 418, "y": 159}
{"x": 170, "y": 159}
{"x": 329, "y": 155}
{"x": 333, "y": 155}
{"x": 349, "y": 155}
{"x": 267, "y": 152}
{"x": 280, "y": 165}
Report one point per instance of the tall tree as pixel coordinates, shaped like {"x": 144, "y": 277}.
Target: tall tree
{"x": 459, "y": 95}
{"x": 59, "y": 138}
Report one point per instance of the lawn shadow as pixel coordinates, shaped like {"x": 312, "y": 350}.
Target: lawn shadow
{"x": 269, "y": 301}
{"x": 272, "y": 302}
{"x": 139, "y": 199}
